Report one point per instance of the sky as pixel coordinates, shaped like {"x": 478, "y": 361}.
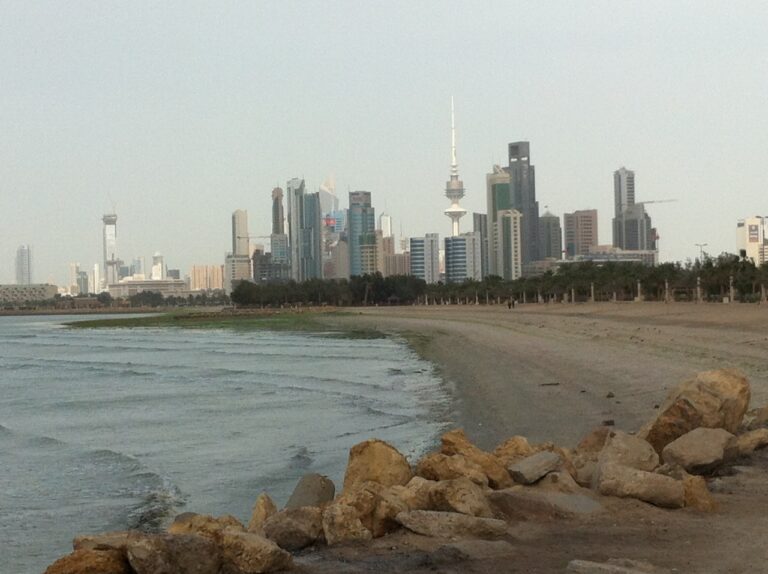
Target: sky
{"x": 176, "y": 113}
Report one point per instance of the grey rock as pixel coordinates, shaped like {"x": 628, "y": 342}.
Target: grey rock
{"x": 625, "y": 482}
{"x": 701, "y": 450}
{"x": 449, "y": 524}
{"x": 312, "y": 490}
{"x": 519, "y": 503}
{"x": 295, "y": 528}
{"x": 534, "y": 467}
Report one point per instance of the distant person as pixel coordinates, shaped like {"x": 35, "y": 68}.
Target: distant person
{"x": 514, "y": 303}
{"x": 509, "y": 303}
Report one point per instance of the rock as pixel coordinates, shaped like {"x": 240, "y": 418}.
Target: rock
{"x": 519, "y": 503}
{"x": 312, "y": 490}
{"x": 756, "y": 418}
{"x": 472, "y": 550}
{"x": 712, "y": 399}
{"x": 512, "y": 450}
{"x": 701, "y": 450}
{"x": 375, "y": 460}
{"x": 108, "y": 541}
{"x": 627, "y": 450}
{"x": 438, "y": 466}
{"x": 461, "y": 495}
{"x": 86, "y": 561}
{"x": 593, "y": 442}
{"x": 248, "y": 553}
{"x": 450, "y": 524}
{"x": 262, "y": 510}
{"x": 751, "y": 441}
{"x": 566, "y": 456}
{"x": 559, "y": 482}
{"x": 341, "y": 524}
{"x": 417, "y": 494}
{"x": 625, "y": 482}
{"x": 204, "y": 525}
{"x": 295, "y": 528}
{"x": 697, "y": 494}
{"x": 585, "y": 472}
{"x": 376, "y": 505}
{"x": 456, "y": 442}
{"x": 534, "y": 467}
{"x": 388, "y": 506}
{"x": 173, "y": 553}
{"x": 610, "y": 395}
{"x": 613, "y": 566}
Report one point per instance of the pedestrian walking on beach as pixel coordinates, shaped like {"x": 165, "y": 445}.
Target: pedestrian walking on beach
{"x": 509, "y": 303}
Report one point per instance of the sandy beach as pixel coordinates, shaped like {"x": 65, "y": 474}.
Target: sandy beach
{"x": 546, "y": 371}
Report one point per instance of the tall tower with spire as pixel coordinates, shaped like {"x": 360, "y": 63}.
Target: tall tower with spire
{"x": 454, "y": 187}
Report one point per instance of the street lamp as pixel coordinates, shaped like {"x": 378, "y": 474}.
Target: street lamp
{"x": 701, "y": 247}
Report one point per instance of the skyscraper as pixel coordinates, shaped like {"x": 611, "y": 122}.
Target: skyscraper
{"x": 278, "y": 215}
{"x": 522, "y": 189}
{"x": 24, "y": 265}
{"x": 295, "y": 189}
{"x": 362, "y": 227}
{"x": 311, "y": 232}
{"x": 580, "y": 232}
{"x": 498, "y": 199}
{"x": 425, "y": 257}
{"x": 158, "y": 267}
{"x": 632, "y": 227}
{"x": 752, "y": 240}
{"x": 111, "y": 261}
{"x": 237, "y": 264}
{"x": 550, "y": 236}
{"x": 240, "y": 239}
{"x": 454, "y": 187}
{"x": 385, "y": 224}
{"x": 508, "y": 245}
{"x": 480, "y": 225}
{"x": 463, "y": 258}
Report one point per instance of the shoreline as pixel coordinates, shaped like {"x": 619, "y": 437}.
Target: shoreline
{"x": 555, "y": 372}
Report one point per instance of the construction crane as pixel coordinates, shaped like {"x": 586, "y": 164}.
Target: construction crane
{"x": 655, "y": 201}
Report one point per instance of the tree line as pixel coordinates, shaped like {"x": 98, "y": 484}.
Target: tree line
{"x": 708, "y": 279}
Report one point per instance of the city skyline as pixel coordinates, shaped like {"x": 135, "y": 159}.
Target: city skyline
{"x": 89, "y": 132}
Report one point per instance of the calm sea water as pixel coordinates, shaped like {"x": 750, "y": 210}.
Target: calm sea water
{"x": 113, "y": 429}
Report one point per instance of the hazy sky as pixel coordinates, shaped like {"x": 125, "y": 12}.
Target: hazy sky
{"x": 178, "y": 113}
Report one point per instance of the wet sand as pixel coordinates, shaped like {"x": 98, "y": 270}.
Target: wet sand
{"x": 546, "y": 371}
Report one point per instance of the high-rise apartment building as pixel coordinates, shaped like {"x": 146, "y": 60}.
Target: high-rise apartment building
{"x": 550, "y": 236}
{"x": 522, "y": 191}
{"x": 158, "y": 266}
{"x": 498, "y": 199}
{"x": 24, "y": 265}
{"x": 385, "y": 224}
{"x": 362, "y": 227}
{"x": 632, "y": 227}
{"x": 480, "y": 225}
{"x": 508, "y": 245}
{"x": 111, "y": 261}
{"x": 580, "y": 232}
{"x": 425, "y": 257}
{"x": 295, "y": 189}
{"x": 240, "y": 238}
{"x": 463, "y": 258}
{"x": 311, "y": 234}
{"x": 752, "y": 240}
{"x": 206, "y": 278}
{"x": 237, "y": 264}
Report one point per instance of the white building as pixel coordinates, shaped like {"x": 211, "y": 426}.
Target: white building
{"x": 425, "y": 257}
{"x": 24, "y": 265}
{"x": 506, "y": 244}
{"x": 751, "y": 238}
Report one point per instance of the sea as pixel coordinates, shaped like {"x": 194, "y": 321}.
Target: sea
{"x": 111, "y": 429}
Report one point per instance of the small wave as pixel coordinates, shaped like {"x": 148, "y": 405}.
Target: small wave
{"x": 46, "y": 441}
{"x": 158, "y": 506}
{"x": 301, "y": 458}
{"x": 5, "y": 430}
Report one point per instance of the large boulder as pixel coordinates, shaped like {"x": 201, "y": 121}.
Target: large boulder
{"x": 172, "y": 553}
{"x": 696, "y": 493}
{"x": 417, "y": 494}
{"x": 204, "y": 525}
{"x": 85, "y": 561}
{"x": 460, "y": 495}
{"x": 312, "y": 490}
{"x": 262, "y": 510}
{"x": 248, "y": 553}
{"x": 701, "y": 450}
{"x": 532, "y": 468}
{"x": 295, "y": 528}
{"x": 376, "y": 505}
{"x": 376, "y": 461}
{"x": 712, "y": 399}
{"x": 341, "y": 525}
{"x": 520, "y": 503}
{"x": 450, "y": 524}
{"x": 456, "y": 442}
{"x": 512, "y": 450}
{"x": 438, "y": 466}
{"x": 626, "y": 482}
{"x": 627, "y": 450}
{"x": 750, "y": 441}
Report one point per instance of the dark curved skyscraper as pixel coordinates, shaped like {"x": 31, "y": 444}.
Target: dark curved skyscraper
{"x": 522, "y": 190}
